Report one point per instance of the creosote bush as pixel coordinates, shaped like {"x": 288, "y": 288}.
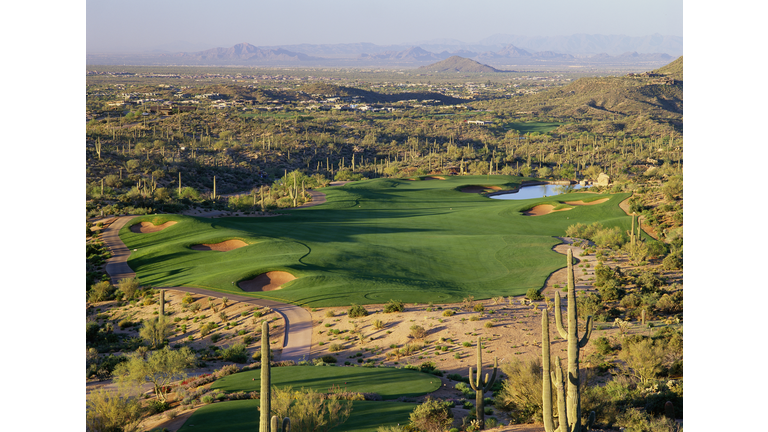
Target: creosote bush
{"x": 357, "y": 311}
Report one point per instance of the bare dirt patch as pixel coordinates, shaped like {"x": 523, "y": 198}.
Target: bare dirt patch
{"x": 220, "y": 247}
{"x": 479, "y": 189}
{"x": 543, "y": 209}
{"x": 149, "y": 227}
{"x": 268, "y": 281}
{"x": 582, "y": 203}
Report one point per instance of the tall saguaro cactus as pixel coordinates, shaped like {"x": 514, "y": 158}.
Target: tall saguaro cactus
{"x": 162, "y": 302}
{"x": 571, "y": 421}
{"x": 266, "y": 380}
{"x": 481, "y": 386}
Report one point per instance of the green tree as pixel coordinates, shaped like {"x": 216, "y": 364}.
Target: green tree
{"x": 160, "y": 368}
{"x": 128, "y": 286}
{"x": 156, "y": 330}
{"x": 101, "y": 291}
{"x": 643, "y": 359}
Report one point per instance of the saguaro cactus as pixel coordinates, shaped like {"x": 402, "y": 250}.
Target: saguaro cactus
{"x": 571, "y": 421}
{"x": 286, "y": 425}
{"x": 481, "y": 386}
{"x": 266, "y": 380}
{"x": 162, "y": 302}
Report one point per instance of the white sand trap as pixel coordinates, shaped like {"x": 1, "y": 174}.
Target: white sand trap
{"x": 434, "y": 178}
{"x": 149, "y": 227}
{"x": 543, "y": 209}
{"x": 268, "y": 281}
{"x": 220, "y": 247}
{"x": 479, "y": 189}
{"x": 582, "y": 203}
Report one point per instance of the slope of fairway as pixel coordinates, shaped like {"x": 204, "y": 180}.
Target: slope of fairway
{"x": 243, "y": 416}
{"x": 389, "y": 383}
{"x": 418, "y": 241}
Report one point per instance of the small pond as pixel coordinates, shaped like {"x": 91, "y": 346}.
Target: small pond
{"x": 538, "y": 191}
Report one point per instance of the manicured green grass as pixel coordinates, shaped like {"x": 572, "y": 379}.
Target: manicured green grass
{"x": 390, "y": 383}
{"x": 376, "y": 240}
{"x": 243, "y": 415}
{"x": 540, "y": 127}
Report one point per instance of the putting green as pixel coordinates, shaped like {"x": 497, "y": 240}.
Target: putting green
{"x": 375, "y": 240}
{"x": 243, "y": 415}
{"x": 389, "y": 383}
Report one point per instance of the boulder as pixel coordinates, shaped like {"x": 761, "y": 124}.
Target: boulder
{"x": 603, "y": 179}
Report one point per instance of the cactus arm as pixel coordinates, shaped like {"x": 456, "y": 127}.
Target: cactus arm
{"x": 286, "y": 425}
{"x": 559, "y": 317}
{"x": 273, "y": 424}
{"x": 562, "y": 411}
{"x": 489, "y": 384}
{"x": 587, "y": 334}
{"x": 472, "y": 381}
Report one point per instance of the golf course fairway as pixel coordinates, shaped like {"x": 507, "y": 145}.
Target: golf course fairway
{"x": 375, "y": 240}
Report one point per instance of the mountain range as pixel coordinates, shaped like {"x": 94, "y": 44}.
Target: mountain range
{"x": 497, "y": 50}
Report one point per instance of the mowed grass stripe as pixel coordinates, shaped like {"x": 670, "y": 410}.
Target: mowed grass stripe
{"x": 390, "y": 383}
{"x": 419, "y": 239}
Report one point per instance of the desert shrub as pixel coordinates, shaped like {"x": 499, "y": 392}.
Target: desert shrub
{"x": 125, "y": 323}
{"x": 394, "y": 306}
{"x": 378, "y": 324}
{"x": 604, "y": 274}
{"x": 589, "y": 305}
{"x": 215, "y": 337}
{"x": 236, "y": 353}
{"x": 631, "y": 301}
{"x": 670, "y": 303}
{"x": 610, "y": 291}
{"x": 155, "y": 406}
{"x": 609, "y": 238}
{"x": 356, "y": 311}
{"x": 432, "y": 416}
{"x": 478, "y": 307}
{"x": 128, "y": 286}
{"x": 488, "y": 324}
{"x": 328, "y": 359}
{"x": 111, "y": 411}
{"x": 329, "y": 314}
{"x": 418, "y": 332}
{"x": 533, "y": 295}
{"x": 603, "y": 345}
{"x": 520, "y": 394}
{"x": 207, "y": 328}
{"x": 634, "y": 420}
{"x": 101, "y": 291}
{"x": 226, "y": 370}
{"x": 448, "y": 312}
{"x": 672, "y": 261}
{"x": 648, "y": 281}
{"x": 187, "y": 299}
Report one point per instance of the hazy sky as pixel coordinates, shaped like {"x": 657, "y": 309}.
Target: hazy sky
{"x": 141, "y": 25}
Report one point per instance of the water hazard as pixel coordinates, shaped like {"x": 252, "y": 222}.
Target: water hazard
{"x": 538, "y": 191}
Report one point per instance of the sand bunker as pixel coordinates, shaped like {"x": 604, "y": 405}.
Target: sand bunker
{"x": 580, "y": 203}
{"x": 434, "y": 178}
{"x": 268, "y": 281}
{"x": 543, "y": 209}
{"x": 149, "y": 227}
{"x": 220, "y": 247}
{"x": 479, "y": 189}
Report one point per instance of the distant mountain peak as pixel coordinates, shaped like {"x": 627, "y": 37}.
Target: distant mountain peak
{"x": 458, "y": 64}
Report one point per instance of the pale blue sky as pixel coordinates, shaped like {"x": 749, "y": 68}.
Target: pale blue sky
{"x": 141, "y": 25}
